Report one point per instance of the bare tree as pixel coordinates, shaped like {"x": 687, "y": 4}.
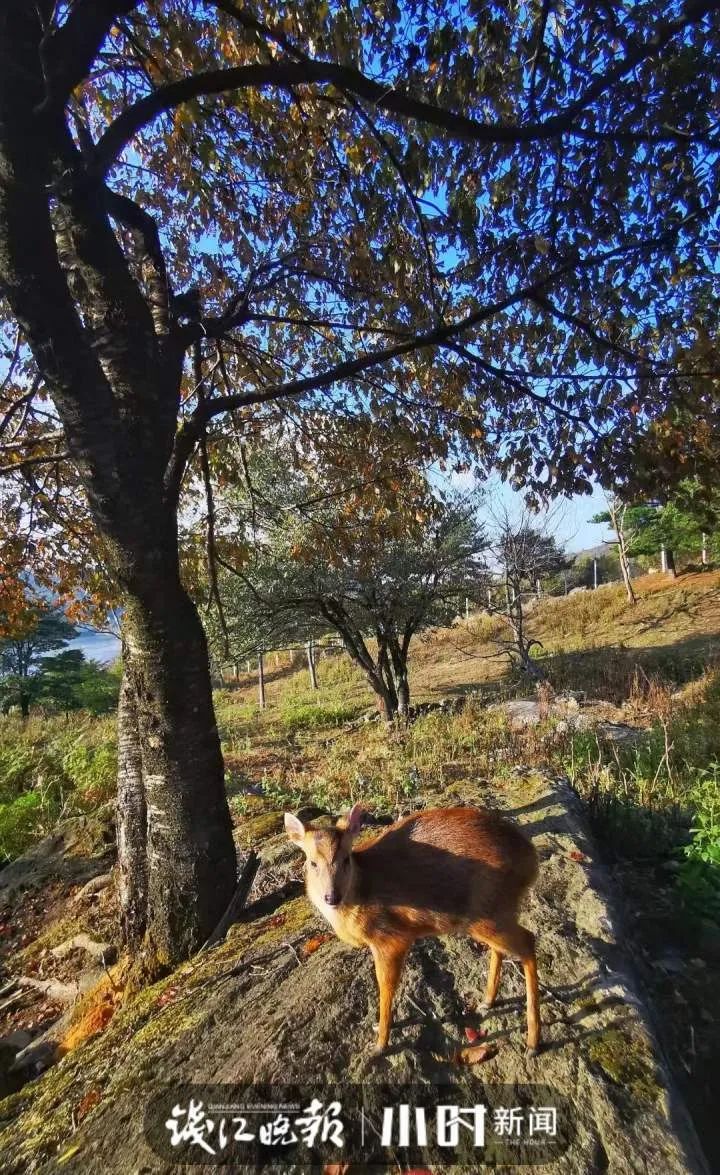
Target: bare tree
{"x": 617, "y": 516}
{"x": 523, "y": 551}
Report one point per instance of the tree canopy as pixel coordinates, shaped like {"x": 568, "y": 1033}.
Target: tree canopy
{"x": 493, "y": 224}
{"x": 376, "y": 575}
{"x": 488, "y": 231}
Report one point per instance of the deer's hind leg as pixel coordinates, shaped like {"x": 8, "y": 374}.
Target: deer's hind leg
{"x": 520, "y": 943}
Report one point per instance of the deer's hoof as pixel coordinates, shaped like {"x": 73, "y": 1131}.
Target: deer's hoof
{"x": 530, "y": 1053}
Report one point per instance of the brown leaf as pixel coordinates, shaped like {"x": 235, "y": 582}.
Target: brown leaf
{"x": 474, "y": 1034}
{"x": 166, "y": 997}
{"x": 314, "y": 944}
{"x": 476, "y": 1054}
{"x": 92, "y": 1098}
{"x": 576, "y": 855}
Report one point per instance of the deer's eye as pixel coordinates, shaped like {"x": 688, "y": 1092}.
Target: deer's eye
{"x": 313, "y": 864}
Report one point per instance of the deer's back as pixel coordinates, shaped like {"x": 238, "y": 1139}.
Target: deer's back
{"x": 441, "y": 869}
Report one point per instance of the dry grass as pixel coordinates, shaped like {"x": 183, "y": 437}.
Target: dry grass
{"x": 683, "y": 612}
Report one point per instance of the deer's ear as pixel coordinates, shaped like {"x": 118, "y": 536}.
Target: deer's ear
{"x": 353, "y": 820}
{"x": 295, "y": 828}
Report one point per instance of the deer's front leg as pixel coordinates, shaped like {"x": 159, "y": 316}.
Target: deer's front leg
{"x": 389, "y": 956}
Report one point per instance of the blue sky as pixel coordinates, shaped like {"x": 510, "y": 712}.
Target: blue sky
{"x": 569, "y": 518}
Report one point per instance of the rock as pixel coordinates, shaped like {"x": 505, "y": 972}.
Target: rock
{"x": 19, "y": 1039}
{"x": 92, "y": 887}
{"x": 102, "y": 951}
{"x": 521, "y": 712}
{"x": 674, "y": 964}
{"x": 263, "y": 1007}
{"x": 81, "y": 848}
{"x": 618, "y": 732}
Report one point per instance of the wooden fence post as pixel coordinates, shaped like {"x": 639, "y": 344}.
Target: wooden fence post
{"x": 261, "y": 679}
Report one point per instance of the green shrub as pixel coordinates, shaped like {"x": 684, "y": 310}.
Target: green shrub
{"x": 699, "y": 876}
{"x": 295, "y": 716}
{"x": 22, "y": 821}
{"x": 49, "y": 766}
{"x": 16, "y": 767}
{"x": 91, "y": 769}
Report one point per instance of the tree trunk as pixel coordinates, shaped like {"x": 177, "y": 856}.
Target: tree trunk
{"x": 617, "y": 518}
{"x": 24, "y": 699}
{"x": 131, "y": 819}
{"x": 399, "y": 660}
{"x": 311, "y": 665}
{"x": 627, "y": 578}
{"x": 388, "y": 701}
{"x": 670, "y": 563}
{"x": 403, "y": 693}
{"x": 261, "y": 680}
{"x": 113, "y": 366}
{"x": 191, "y": 862}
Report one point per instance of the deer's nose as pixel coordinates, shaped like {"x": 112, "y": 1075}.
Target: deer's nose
{"x": 331, "y": 900}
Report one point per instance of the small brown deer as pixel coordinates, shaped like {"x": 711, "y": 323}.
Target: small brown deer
{"x": 440, "y": 871}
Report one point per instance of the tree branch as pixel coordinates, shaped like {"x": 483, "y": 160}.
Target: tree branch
{"x": 152, "y": 261}
{"x": 69, "y": 50}
{"x": 189, "y": 432}
{"x": 21, "y": 466}
{"x": 388, "y": 98}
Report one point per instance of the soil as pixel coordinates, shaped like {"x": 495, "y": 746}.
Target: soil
{"x": 282, "y": 1000}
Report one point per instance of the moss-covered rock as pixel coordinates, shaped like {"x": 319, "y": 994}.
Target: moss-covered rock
{"x": 627, "y": 1060}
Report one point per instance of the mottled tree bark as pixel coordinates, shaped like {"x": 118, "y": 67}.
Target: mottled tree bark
{"x": 113, "y": 361}
{"x": 190, "y": 852}
{"x": 131, "y": 818}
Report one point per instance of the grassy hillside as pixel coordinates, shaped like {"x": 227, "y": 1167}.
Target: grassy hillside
{"x": 650, "y": 673}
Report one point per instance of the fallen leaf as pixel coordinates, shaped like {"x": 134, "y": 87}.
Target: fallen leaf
{"x": 576, "y": 855}
{"x": 88, "y": 1103}
{"x": 476, "y": 1054}
{"x": 474, "y": 1034}
{"x": 314, "y": 944}
{"x": 166, "y": 997}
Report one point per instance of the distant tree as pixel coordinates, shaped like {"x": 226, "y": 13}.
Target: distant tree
{"x": 616, "y": 516}
{"x": 68, "y": 681}
{"x": 524, "y": 554}
{"x": 678, "y": 525}
{"x": 39, "y": 628}
{"x": 377, "y": 577}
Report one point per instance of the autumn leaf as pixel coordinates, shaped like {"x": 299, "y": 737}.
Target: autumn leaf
{"x": 576, "y": 855}
{"x": 476, "y": 1054}
{"x": 91, "y": 1099}
{"x": 474, "y": 1034}
{"x": 166, "y": 997}
{"x": 314, "y": 944}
